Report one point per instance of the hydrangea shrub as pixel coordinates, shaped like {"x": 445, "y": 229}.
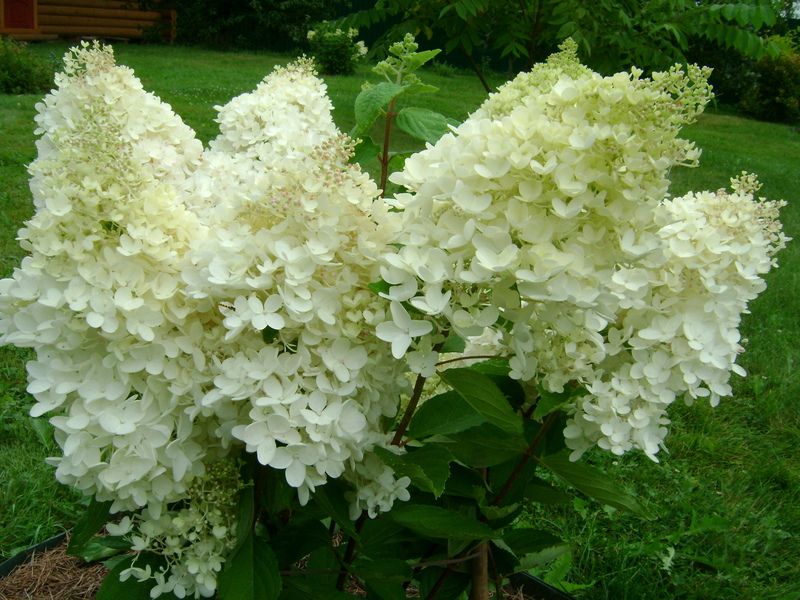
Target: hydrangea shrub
{"x": 240, "y": 341}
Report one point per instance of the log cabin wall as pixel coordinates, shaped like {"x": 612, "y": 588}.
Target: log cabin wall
{"x": 93, "y": 18}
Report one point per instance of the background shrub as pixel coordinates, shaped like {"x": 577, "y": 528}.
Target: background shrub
{"x": 336, "y": 51}
{"x": 775, "y": 95}
{"x": 22, "y": 72}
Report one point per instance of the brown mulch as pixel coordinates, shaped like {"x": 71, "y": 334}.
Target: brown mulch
{"x": 53, "y": 575}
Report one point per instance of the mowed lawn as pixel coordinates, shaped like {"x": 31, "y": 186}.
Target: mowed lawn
{"x": 726, "y": 496}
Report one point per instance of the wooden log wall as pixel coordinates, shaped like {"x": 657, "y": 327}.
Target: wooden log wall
{"x": 101, "y": 18}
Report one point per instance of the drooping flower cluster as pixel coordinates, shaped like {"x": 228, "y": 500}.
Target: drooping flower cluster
{"x": 193, "y": 539}
{"x": 188, "y": 305}
{"x": 541, "y": 217}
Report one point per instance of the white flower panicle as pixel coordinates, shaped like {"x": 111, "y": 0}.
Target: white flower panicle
{"x": 544, "y": 217}
{"x": 187, "y": 305}
{"x": 118, "y": 344}
{"x": 193, "y": 540}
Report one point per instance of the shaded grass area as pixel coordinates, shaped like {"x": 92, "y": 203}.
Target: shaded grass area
{"x": 727, "y": 496}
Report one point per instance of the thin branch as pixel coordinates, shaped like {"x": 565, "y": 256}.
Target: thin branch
{"x": 529, "y": 452}
{"x": 477, "y": 356}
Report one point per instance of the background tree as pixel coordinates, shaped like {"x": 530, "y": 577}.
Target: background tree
{"x": 611, "y": 34}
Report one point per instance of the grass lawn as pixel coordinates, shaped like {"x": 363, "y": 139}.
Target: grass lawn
{"x": 727, "y": 496}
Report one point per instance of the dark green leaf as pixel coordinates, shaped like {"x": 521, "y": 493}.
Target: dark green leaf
{"x": 530, "y": 541}
{"x": 592, "y": 482}
{"x": 370, "y": 102}
{"x": 365, "y": 151}
{"x": 303, "y": 588}
{"x": 465, "y": 483}
{"x": 101, "y": 547}
{"x": 422, "y": 124}
{"x": 453, "y": 586}
{"x": 453, "y": 344}
{"x": 268, "y": 334}
{"x": 492, "y": 367}
{"x": 428, "y": 467}
{"x": 251, "y": 574}
{"x": 92, "y": 521}
{"x": 330, "y": 498}
{"x": 442, "y": 415}
{"x": 542, "y": 492}
{"x": 437, "y": 522}
{"x": 130, "y": 589}
{"x": 385, "y": 570}
{"x": 378, "y": 590}
{"x": 298, "y": 539}
{"x": 43, "y": 430}
{"x": 551, "y": 401}
{"x": 324, "y": 559}
{"x": 485, "y": 397}
{"x": 486, "y": 446}
{"x": 381, "y": 538}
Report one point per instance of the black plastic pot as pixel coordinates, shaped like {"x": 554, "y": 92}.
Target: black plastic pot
{"x": 25, "y": 555}
{"x": 538, "y": 589}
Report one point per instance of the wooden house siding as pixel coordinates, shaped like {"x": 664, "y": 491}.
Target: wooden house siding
{"x": 90, "y": 18}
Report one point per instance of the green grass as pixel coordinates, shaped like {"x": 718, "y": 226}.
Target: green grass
{"x": 727, "y": 496}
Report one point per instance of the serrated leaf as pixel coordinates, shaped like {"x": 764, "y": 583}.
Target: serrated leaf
{"x": 417, "y": 59}
{"x": 524, "y": 541}
{"x": 298, "y": 539}
{"x": 493, "y": 366}
{"x": 43, "y": 430}
{"x": 365, "y": 151}
{"x": 385, "y": 570}
{"x": 422, "y": 124}
{"x": 592, "y": 482}
{"x": 541, "y": 492}
{"x": 92, "y": 521}
{"x": 427, "y": 467}
{"x": 453, "y": 343}
{"x": 415, "y": 89}
{"x": 330, "y": 498}
{"x": 444, "y": 414}
{"x": 251, "y": 574}
{"x": 370, "y": 102}
{"x": 102, "y": 547}
{"x": 486, "y": 446}
{"x": 437, "y": 522}
{"x": 551, "y": 401}
{"x": 130, "y": 589}
{"x": 480, "y": 392}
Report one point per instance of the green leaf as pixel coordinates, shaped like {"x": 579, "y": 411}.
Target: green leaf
{"x": 43, "y": 430}
{"x": 453, "y": 344}
{"x": 380, "y": 287}
{"x": 551, "y": 401}
{"x": 381, "y": 538}
{"x": 444, "y": 414}
{"x": 486, "y": 446}
{"x": 102, "y": 547}
{"x": 378, "y": 590}
{"x": 526, "y": 541}
{"x": 428, "y": 467}
{"x": 492, "y": 366}
{"x": 592, "y": 482}
{"x": 298, "y": 539}
{"x": 303, "y": 588}
{"x": 437, "y": 522}
{"x": 415, "y": 89}
{"x": 385, "y": 570}
{"x": 324, "y": 559}
{"x": 251, "y": 574}
{"x": 453, "y": 586}
{"x": 417, "y": 59}
{"x": 365, "y": 151}
{"x": 541, "y": 492}
{"x": 330, "y": 498}
{"x": 485, "y": 397}
{"x": 371, "y": 101}
{"x": 92, "y": 521}
{"x": 245, "y": 514}
{"x": 422, "y": 124}
{"x": 130, "y": 589}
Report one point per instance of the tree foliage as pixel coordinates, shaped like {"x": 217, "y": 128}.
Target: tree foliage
{"x": 612, "y": 34}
